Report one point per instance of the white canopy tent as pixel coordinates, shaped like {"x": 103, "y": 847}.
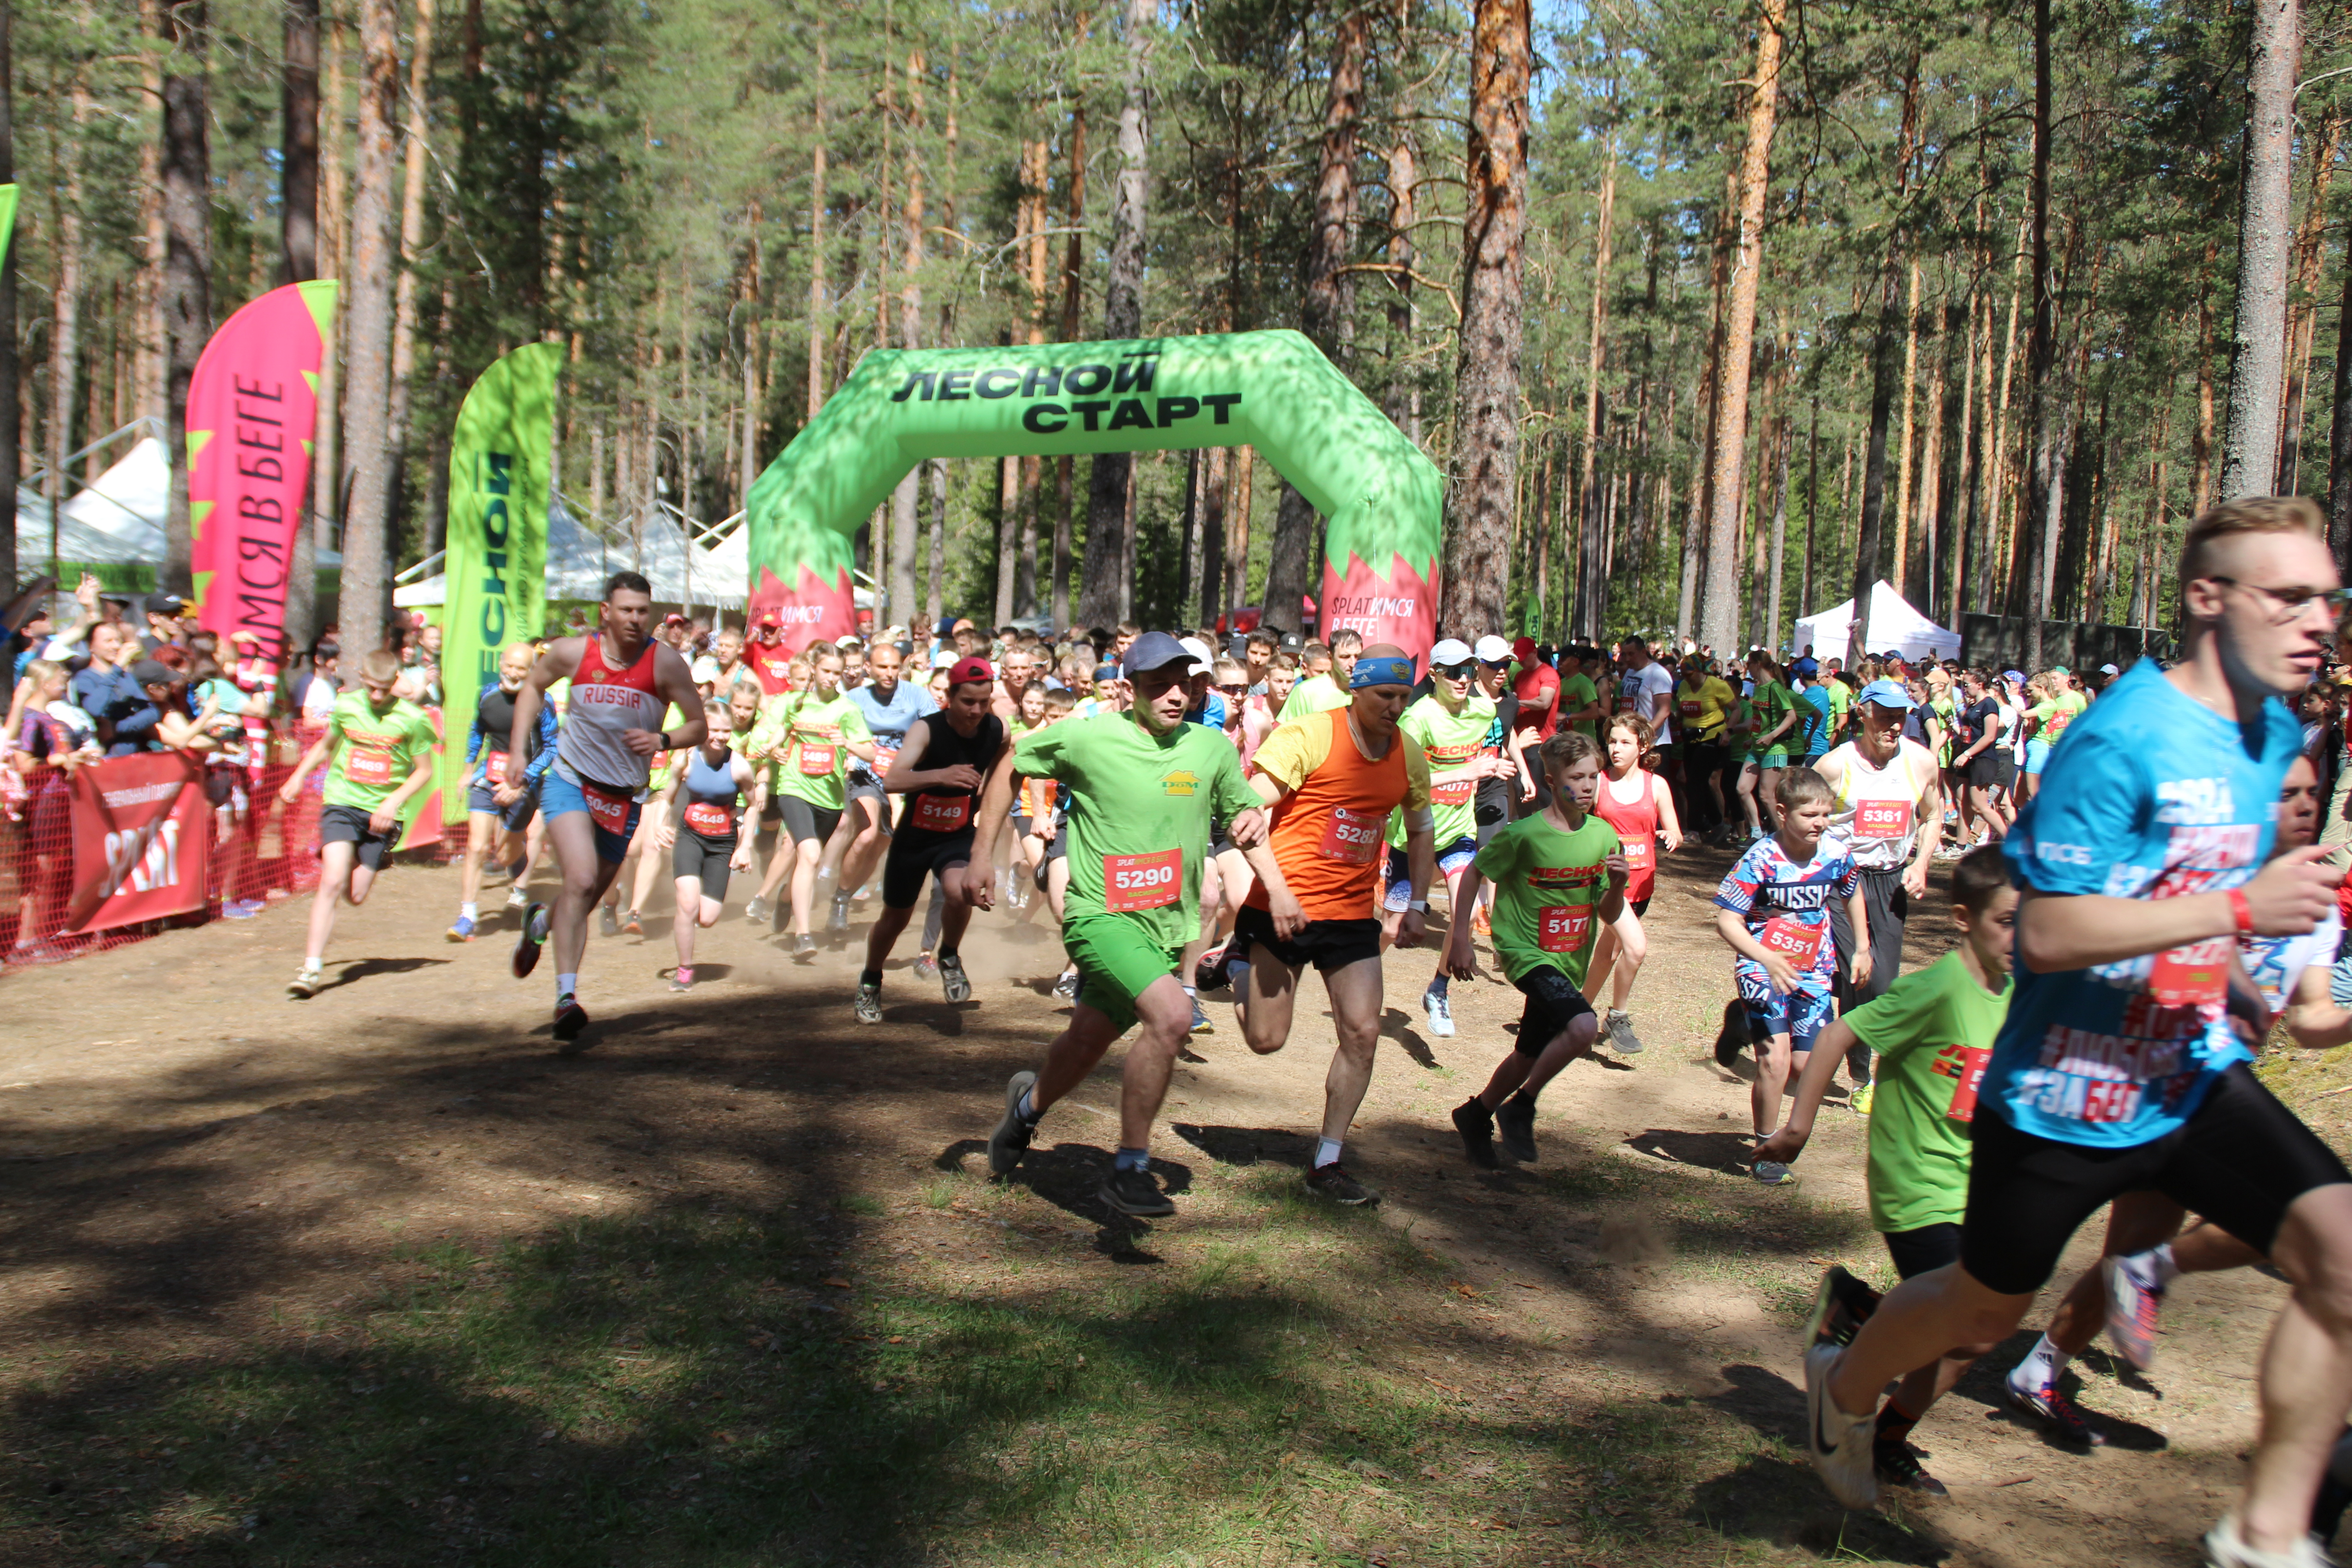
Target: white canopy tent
{"x": 117, "y": 519}
{"x": 580, "y": 560}
{"x": 1894, "y": 625}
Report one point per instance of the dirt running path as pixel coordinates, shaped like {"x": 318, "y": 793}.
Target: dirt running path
{"x": 195, "y": 1163}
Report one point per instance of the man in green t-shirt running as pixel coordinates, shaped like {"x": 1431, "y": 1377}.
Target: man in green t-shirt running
{"x": 1143, "y": 786}
{"x": 381, "y": 751}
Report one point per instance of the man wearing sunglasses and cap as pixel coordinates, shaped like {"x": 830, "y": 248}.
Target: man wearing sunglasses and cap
{"x": 1143, "y": 788}
{"x": 1889, "y": 817}
{"x": 1331, "y": 781}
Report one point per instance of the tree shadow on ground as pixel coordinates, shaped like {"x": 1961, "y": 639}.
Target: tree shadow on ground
{"x": 1706, "y": 1151}
{"x": 1248, "y": 1145}
{"x": 1774, "y": 1501}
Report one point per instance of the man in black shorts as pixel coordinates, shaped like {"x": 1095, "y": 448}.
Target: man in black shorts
{"x": 1332, "y": 779}
{"x": 2120, "y": 1064}
{"x": 947, "y": 759}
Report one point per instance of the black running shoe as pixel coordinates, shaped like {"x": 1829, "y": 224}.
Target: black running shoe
{"x": 1011, "y": 1138}
{"x": 1515, "y": 1124}
{"x": 869, "y": 1003}
{"x": 952, "y": 979}
{"x": 1477, "y": 1125}
{"x": 1135, "y": 1193}
{"x": 530, "y": 940}
{"x": 571, "y": 1018}
{"x": 1898, "y": 1466}
{"x": 2053, "y": 1413}
{"x": 1733, "y": 1035}
{"x": 1842, "y": 1304}
{"x": 1211, "y": 973}
{"x": 1333, "y": 1182}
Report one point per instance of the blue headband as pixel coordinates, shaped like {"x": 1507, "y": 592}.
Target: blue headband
{"x": 1384, "y": 670}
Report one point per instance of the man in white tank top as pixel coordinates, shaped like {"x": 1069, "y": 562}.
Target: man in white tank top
{"x": 1889, "y": 818}
{"x": 624, "y": 682}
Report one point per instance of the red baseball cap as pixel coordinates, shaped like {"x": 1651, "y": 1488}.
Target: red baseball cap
{"x": 770, "y": 618}
{"x": 1524, "y": 649}
{"x": 973, "y": 668}
{"x": 674, "y": 620}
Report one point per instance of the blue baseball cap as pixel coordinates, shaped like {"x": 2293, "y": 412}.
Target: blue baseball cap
{"x": 1888, "y": 694}
{"x": 1805, "y": 668}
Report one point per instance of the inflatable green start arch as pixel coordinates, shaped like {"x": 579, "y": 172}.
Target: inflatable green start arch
{"x": 1274, "y": 391}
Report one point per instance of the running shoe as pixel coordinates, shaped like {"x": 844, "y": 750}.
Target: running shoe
{"x": 682, "y": 978}
{"x": 242, "y": 908}
{"x": 1515, "y": 1125}
{"x": 517, "y": 899}
{"x": 304, "y": 984}
{"x": 530, "y": 940}
{"x": 1477, "y": 1125}
{"x": 1897, "y": 1464}
{"x": 1135, "y": 1193}
{"x": 802, "y": 945}
{"x": 1773, "y": 1173}
{"x": 2226, "y": 1546}
{"x": 952, "y": 979}
{"x": 462, "y": 931}
{"x": 1441, "y": 1014}
{"x": 756, "y": 910}
{"x": 608, "y": 921}
{"x": 1066, "y": 987}
{"x": 1841, "y": 1443}
{"x": 1622, "y": 1037}
{"x": 869, "y": 1003}
{"x": 839, "y": 918}
{"x": 633, "y": 925}
{"x": 926, "y": 967}
{"x": 1842, "y": 1304}
{"x": 1333, "y": 1182}
{"x": 2134, "y": 1305}
{"x": 571, "y": 1018}
{"x": 1211, "y": 973}
{"x": 1733, "y": 1036}
{"x": 1863, "y": 1098}
{"x": 1011, "y": 1138}
{"x": 2053, "y": 1413}
{"x": 1200, "y": 1025}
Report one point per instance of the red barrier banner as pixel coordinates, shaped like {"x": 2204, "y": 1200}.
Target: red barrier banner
{"x": 142, "y": 849}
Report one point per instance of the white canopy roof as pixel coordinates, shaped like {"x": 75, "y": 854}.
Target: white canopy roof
{"x": 1894, "y": 626}
{"x": 580, "y": 560}
{"x": 116, "y": 520}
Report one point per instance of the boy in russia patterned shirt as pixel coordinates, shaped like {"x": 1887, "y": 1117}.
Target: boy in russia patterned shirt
{"x": 1774, "y": 912}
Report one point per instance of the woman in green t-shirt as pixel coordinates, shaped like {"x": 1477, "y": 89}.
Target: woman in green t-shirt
{"x": 1775, "y": 709}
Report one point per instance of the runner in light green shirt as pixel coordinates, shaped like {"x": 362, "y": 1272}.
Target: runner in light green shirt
{"x": 807, "y": 739}
{"x": 1143, "y": 786}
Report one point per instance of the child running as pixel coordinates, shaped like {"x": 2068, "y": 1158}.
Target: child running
{"x": 1774, "y": 912}
{"x": 706, "y": 837}
{"x": 1632, "y": 800}
{"x": 1933, "y": 1031}
{"x": 1559, "y": 876}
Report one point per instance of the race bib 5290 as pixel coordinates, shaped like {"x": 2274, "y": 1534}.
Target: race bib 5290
{"x": 1141, "y": 881}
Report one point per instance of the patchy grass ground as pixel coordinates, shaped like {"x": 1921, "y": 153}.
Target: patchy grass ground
{"x": 384, "y": 1282}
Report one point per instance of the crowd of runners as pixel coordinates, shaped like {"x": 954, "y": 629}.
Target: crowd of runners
{"x": 1204, "y": 823}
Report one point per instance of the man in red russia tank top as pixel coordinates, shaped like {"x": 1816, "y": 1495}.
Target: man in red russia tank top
{"x": 622, "y": 683}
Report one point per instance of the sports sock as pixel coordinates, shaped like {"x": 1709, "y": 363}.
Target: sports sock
{"x": 1133, "y": 1160}
{"x": 1436, "y": 987}
{"x": 566, "y": 985}
{"x": 1895, "y": 1422}
{"x": 1026, "y": 1108}
{"x": 312, "y": 961}
{"x": 2040, "y": 1367}
{"x": 2159, "y": 1261}
{"x": 870, "y": 977}
{"x": 468, "y": 912}
{"x": 1327, "y": 1152}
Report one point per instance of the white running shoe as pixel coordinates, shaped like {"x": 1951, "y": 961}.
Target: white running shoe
{"x": 2135, "y": 1308}
{"x": 1840, "y": 1443}
{"x": 2226, "y": 1547}
{"x": 1441, "y": 1014}
{"x": 1622, "y": 1037}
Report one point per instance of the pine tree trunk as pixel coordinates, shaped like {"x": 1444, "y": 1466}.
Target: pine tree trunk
{"x": 903, "y": 543}
{"x": 1402, "y": 405}
{"x": 1102, "y": 591}
{"x": 11, "y": 459}
{"x": 185, "y": 299}
{"x": 328, "y": 489}
{"x": 299, "y": 147}
{"x": 1926, "y": 511}
{"x": 2035, "y": 520}
{"x": 1591, "y": 591}
{"x": 1902, "y": 513}
{"x": 2258, "y": 371}
{"x": 1214, "y": 474}
{"x": 1479, "y": 492}
{"x": 2339, "y": 445}
{"x": 817, "y": 324}
{"x": 937, "y": 577}
{"x": 1719, "y": 612}
{"x": 2305, "y": 316}
{"x": 369, "y": 294}
{"x": 64, "y": 315}
{"x": 412, "y": 234}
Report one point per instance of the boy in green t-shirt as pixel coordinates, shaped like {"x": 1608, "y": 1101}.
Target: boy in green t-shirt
{"x": 1933, "y": 1031}
{"x": 1559, "y": 876}
{"x": 381, "y": 750}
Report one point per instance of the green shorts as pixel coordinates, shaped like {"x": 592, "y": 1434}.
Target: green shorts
{"x": 1775, "y": 758}
{"x": 1117, "y": 960}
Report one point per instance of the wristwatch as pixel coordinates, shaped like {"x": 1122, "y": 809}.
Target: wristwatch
{"x": 1418, "y": 905}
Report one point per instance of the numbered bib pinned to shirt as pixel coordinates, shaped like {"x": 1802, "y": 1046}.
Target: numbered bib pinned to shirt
{"x": 1637, "y": 851}
{"x": 368, "y": 765}
{"x": 2192, "y": 976}
{"x": 494, "y": 769}
{"x": 941, "y": 813}
{"x": 1563, "y": 928}
{"x": 709, "y": 820}
{"x": 1800, "y": 943}
{"x": 1352, "y": 837}
{"x": 1132, "y": 882}
{"x": 816, "y": 759}
{"x": 1882, "y": 818}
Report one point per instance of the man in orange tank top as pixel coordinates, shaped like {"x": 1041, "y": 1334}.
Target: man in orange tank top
{"x": 622, "y": 683}
{"x": 1331, "y": 780}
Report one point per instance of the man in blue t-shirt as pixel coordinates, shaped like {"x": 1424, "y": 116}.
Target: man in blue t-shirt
{"x": 890, "y": 705}
{"x": 2121, "y": 1066}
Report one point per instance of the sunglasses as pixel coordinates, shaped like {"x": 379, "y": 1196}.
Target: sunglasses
{"x": 1237, "y": 690}
{"x": 1454, "y": 671}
